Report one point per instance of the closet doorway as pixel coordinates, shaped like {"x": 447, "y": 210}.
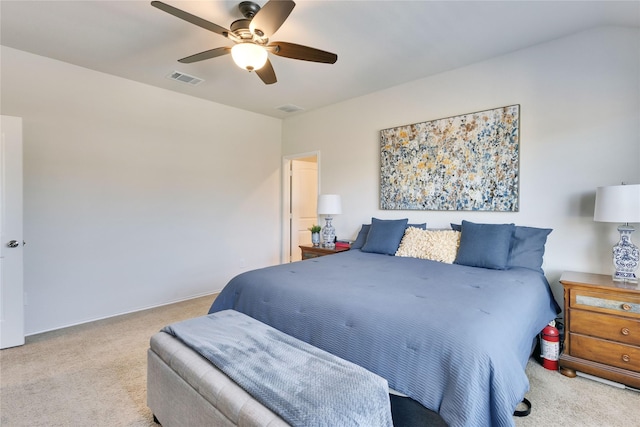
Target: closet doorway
{"x": 300, "y": 198}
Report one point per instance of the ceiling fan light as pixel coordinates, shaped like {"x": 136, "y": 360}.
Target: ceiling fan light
{"x": 249, "y": 56}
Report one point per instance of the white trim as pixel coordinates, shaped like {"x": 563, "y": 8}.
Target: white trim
{"x": 126, "y": 312}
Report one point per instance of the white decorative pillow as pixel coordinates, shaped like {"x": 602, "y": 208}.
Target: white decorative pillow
{"x": 436, "y": 245}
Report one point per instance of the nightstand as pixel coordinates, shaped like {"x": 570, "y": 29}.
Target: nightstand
{"x": 316, "y": 251}
{"x": 602, "y": 328}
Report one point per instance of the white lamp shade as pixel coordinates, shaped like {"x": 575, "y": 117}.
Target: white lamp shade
{"x": 329, "y": 204}
{"x": 617, "y": 203}
{"x": 249, "y": 56}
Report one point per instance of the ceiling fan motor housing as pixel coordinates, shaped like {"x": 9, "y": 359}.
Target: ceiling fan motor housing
{"x": 248, "y": 9}
{"x": 241, "y": 33}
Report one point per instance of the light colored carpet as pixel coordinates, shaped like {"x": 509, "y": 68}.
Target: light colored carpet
{"x": 95, "y": 375}
{"x": 88, "y": 375}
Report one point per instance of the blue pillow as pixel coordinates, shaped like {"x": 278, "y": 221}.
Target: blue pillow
{"x": 362, "y": 237}
{"x": 485, "y": 245}
{"x": 456, "y": 227}
{"x": 422, "y": 226}
{"x": 364, "y": 231}
{"x": 527, "y": 248}
{"x": 385, "y": 235}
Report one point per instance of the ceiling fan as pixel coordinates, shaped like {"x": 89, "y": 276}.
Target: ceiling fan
{"x": 251, "y": 38}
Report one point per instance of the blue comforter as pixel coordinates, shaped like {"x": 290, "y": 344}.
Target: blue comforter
{"x": 454, "y": 338}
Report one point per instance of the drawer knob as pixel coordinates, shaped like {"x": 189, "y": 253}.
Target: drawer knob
{"x": 626, "y": 307}
{"x": 625, "y": 358}
{"x": 625, "y": 331}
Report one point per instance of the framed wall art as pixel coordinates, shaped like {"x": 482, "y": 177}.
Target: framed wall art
{"x": 468, "y": 162}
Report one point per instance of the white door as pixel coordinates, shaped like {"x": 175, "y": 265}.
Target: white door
{"x": 299, "y": 203}
{"x": 11, "y": 293}
{"x": 304, "y": 201}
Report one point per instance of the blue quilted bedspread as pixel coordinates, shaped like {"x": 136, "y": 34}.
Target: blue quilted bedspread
{"x": 454, "y": 338}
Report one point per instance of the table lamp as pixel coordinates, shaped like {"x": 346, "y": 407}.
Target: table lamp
{"x": 328, "y": 205}
{"x": 621, "y": 203}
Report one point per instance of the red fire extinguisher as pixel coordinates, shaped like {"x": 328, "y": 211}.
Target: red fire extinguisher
{"x": 550, "y": 346}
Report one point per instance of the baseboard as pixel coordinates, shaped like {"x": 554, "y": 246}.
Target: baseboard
{"x": 605, "y": 381}
{"x": 136, "y": 310}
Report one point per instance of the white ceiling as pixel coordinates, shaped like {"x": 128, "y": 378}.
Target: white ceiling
{"x": 379, "y": 43}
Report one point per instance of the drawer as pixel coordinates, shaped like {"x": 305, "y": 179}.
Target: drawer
{"x": 614, "y": 328}
{"x": 607, "y": 352}
{"x": 613, "y": 303}
{"x": 307, "y": 255}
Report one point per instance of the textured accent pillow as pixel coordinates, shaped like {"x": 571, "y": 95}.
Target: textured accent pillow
{"x": 527, "y": 248}
{"x": 485, "y": 245}
{"x": 385, "y": 235}
{"x": 436, "y": 245}
{"x": 362, "y": 237}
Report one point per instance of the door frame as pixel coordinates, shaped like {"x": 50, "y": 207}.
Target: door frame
{"x": 285, "y": 253}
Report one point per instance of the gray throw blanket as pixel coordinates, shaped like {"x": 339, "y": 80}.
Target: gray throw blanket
{"x": 304, "y": 385}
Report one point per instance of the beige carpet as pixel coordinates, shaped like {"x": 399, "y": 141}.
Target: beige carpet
{"x": 95, "y": 375}
{"x": 87, "y": 375}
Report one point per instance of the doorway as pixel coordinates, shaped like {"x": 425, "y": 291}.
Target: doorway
{"x": 300, "y": 198}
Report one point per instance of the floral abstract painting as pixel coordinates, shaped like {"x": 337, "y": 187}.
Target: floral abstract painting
{"x": 468, "y": 162}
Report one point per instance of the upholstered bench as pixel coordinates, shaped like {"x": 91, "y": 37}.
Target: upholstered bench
{"x": 184, "y": 389}
{"x": 199, "y": 369}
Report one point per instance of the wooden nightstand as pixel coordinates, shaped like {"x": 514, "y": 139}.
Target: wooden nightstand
{"x": 316, "y": 251}
{"x": 602, "y": 328}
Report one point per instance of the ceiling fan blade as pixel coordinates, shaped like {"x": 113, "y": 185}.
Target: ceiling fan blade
{"x": 271, "y": 17}
{"x": 207, "y": 54}
{"x": 305, "y": 53}
{"x": 196, "y": 20}
{"x": 266, "y": 73}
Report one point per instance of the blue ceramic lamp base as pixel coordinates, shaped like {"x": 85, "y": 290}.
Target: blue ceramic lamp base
{"x": 625, "y": 256}
{"x": 329, "y": 234}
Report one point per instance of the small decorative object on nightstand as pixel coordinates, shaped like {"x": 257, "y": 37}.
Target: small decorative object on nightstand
{"x": 315, "y": 252}
{"x": 328, "y": 205}
{"x": 315, "y": 234}
{"x": 621, "y": 203}
{"x": 602, "y": 328}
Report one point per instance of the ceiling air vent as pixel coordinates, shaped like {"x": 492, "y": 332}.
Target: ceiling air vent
{"x": 185, "y": 78}
{"x": 289, "y": 108}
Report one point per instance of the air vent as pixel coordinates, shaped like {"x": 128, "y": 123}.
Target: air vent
{"x": 290, "y": 108}
{"x": 185, "y": 78}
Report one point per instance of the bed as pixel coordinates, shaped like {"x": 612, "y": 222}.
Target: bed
{"x": 455, "y": 337}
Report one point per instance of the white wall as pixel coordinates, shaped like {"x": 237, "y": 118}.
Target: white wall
{"x": 580, "y": 129}
{"x": 135, "y": 196}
